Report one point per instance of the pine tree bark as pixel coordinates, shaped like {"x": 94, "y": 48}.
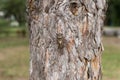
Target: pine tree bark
{"x": 65, "y": 39}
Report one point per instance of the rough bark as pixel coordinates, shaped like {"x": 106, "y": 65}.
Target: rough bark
{"x": 65, "y": 39}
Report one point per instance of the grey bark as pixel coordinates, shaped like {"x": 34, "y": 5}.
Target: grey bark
{"x": 65, "y": 39}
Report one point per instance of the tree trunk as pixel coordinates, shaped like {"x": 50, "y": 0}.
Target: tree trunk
{"x": 65, "y": 39}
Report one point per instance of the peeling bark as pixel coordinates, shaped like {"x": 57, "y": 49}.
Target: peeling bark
{"x": 65, "y": 39}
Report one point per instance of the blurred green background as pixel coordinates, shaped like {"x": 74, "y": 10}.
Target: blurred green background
{"x": 14, "y": 44}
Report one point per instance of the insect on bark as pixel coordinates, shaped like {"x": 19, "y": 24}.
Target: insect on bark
{"x": 60, "y": 40}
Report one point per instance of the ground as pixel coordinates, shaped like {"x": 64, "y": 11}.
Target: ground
{"x": 14, "y": 58}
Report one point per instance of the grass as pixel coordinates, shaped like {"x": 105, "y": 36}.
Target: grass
{"x": 13, "y": 42}
{"x": 14, "y": 59}
{"x": 14, "y": 52}
{"x": 111, "y": 58}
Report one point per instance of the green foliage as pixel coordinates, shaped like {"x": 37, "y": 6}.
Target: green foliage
{"x": 113, "y": 13}
{"x": 15, "y": 8}
{"x": 1, "y": 4}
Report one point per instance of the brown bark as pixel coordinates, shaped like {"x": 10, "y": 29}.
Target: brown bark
{"x": 65, "y": 39}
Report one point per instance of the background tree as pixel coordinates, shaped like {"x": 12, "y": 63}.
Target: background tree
{"x": 15, "y": 8}
{"x": 113, "y": 13}
{"x": 65, "y": 39}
